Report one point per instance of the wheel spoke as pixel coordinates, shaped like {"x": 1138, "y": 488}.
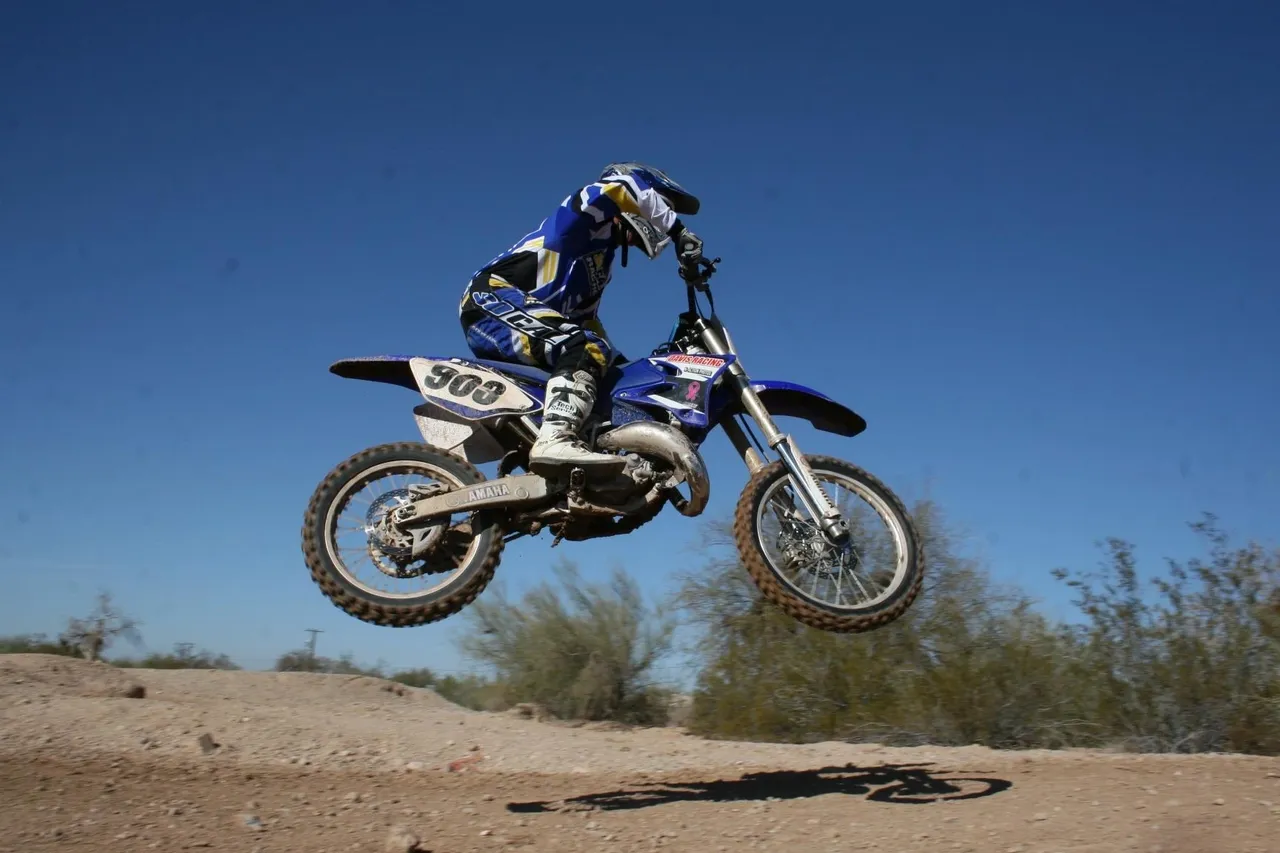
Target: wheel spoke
{"x": 387, "y": 488}
{"x": 364, "y": 562}
{"x": 799, "y": 554}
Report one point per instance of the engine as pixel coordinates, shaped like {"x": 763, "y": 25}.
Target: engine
{"x": 662, "y": 456}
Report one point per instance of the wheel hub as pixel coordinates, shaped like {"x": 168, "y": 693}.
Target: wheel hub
{"x": 391, "y": 548}
{"x": 803, "y": 545}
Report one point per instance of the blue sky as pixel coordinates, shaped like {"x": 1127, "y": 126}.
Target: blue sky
{"x": 1035, "y": 245}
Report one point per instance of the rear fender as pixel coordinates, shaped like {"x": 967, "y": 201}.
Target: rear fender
{"x": 461, "y": 396}
{"x": 391, "y": 369}
{"x": 465, "y": 388}
{"x": 787, "y": 399}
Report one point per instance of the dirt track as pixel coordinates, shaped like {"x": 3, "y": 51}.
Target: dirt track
{"x": 299, "y": 762}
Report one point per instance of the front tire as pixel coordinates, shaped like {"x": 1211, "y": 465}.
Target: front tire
{"x": 786, "y": 589}
{"x": 470, "y": 572}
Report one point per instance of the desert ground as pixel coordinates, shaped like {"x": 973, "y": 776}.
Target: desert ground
{"x": 104, "y": 759}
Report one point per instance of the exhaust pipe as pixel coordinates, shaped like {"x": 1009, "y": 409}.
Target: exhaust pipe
{"x": 673, "y": 447}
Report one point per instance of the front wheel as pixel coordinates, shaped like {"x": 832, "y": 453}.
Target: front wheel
{"x": 347, "y": 527}
{"x": 863, "y": 586}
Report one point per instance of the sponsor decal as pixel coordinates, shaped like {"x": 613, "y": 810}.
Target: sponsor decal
{"x": 597, "y": 275}
{"x": 697, "y": 365}
{"x": 704, "y": 360}
{"x": 485, "y": 492}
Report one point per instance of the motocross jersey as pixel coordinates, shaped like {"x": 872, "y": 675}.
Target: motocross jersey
{"x": 566, "y": 263}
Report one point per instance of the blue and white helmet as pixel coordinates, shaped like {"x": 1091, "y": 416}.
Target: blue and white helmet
{"x": 683, "y": 202}
{"x": 640, "y": 232}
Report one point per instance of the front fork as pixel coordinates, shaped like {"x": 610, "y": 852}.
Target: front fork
{"x": 815, "y": 500}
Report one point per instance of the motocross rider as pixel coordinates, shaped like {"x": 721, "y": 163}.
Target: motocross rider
{"x": 537, "y": 302}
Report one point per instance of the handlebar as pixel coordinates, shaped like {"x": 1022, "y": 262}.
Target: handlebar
{"x": 693, "y": 277}
{"x": 696, "y": 279}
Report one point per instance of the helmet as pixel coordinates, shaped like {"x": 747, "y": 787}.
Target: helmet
{"x": 643, "y": 234}
{"x": 638, "y": 231}
{"x": 681, "y": 200}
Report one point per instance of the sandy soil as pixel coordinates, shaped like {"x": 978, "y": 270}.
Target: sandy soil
{"x": 96, "y": 758}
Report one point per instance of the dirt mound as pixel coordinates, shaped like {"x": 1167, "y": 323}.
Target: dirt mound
{"x": 38, "y": 676}
{"x": 304, "y": 762}
{"x": 288, "y": 689}
{"x": 55, "y": 800}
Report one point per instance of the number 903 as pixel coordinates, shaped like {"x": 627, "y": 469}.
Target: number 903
{"x": 463, "y": 385}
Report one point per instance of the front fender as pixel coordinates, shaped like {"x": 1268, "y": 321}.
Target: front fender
{"x": 787, "y": 399}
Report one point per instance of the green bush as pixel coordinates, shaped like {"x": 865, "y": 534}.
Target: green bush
{"x": 1198, "y": 668}
{"x": 586, "y": 656}
{"x": 415, "y": 678}
{"x": 925, "y": 678}
{"x": 1194, "y": 668}
{"x": 474, "y": 692}
{"x": 182, "y": 657}
{"x": 301, "y": 660}
{"x": 35, "y": 644}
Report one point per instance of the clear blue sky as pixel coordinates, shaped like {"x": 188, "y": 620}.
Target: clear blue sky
{"x": 1037, "y": 245}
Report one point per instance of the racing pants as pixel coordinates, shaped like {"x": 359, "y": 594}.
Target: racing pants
{"x": 503, "y": 323}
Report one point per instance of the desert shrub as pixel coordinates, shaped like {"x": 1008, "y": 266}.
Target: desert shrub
{"x": 301, "y": 660}
{"x": 928, "y": 677}
{"x": 470, "y": 691}
{"x": 585, "y": 652}
{"x": 182, "y": 657}
{"x": 421, "y": 677}
{"x": 35, "y": 644}
{"x": 1188, "y": 662}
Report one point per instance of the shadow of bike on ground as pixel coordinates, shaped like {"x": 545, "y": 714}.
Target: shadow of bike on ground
{"x": 887, "y": 783}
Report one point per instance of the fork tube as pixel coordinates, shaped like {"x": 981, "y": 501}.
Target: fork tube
{"x": 740, "y": 443}
{"x": 742, "y": 383}
{"x": 811, "y": 494}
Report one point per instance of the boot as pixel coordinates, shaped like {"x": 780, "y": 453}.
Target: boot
{"x": 569, "y": 401}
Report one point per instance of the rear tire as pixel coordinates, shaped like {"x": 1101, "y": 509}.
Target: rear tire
{"x": 816, "y": 613}
{"x": 367, "y": 605}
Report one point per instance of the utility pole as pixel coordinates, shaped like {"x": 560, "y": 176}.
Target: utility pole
{"x": 311, "y": 647}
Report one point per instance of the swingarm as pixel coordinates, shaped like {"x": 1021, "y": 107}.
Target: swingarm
{"x": 516, "y": 490}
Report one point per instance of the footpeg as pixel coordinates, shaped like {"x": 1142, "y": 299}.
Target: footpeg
{"x": 577, "y": 481}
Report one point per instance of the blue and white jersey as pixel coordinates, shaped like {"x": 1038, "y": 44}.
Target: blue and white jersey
{"x": 566, "y": 263}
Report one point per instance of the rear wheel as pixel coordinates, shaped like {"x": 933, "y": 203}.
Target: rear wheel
{"x": 346, "y": 528}
{"x": 863, "y": 586}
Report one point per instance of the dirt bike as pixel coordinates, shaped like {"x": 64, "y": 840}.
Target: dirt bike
{"x": 804, "y": 551}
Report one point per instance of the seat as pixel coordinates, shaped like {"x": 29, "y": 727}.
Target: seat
{"x": 533, "y": 374}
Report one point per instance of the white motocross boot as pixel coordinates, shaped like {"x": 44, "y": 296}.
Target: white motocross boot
{"x": 569, "y": 401}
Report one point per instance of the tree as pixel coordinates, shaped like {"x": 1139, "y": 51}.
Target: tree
{"x": 1194, "y": 667}
{"x": 97, "y": 631}
{"x": 587, "y": 655}
{"x": 969, "y": 662}
{"x": 1188, "y": 661}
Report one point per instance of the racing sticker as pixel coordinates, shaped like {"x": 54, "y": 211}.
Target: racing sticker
{"x": 698, "y": 365}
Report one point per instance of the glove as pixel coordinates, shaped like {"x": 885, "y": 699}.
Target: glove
{"x": 688, "y": 245}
